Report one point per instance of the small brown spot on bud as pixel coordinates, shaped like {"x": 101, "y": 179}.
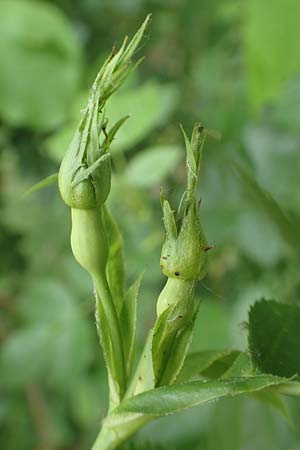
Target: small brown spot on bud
{"x": 176, "y": 274}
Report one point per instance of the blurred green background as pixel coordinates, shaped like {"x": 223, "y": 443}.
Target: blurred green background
{"x": 233, "y": 65}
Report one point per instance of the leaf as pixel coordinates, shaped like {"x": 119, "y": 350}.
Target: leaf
{"x": 149, "y": 105}
{"x": 274, "y": 337}
{"x": 128, "y": 323}
{"x": 115, "y": 269}
{"x": 292, "y": 389}
{"x": 171, "y": 399}
{"x": 38, "y": 38}
{"x": 151, "y": 166}
{"x": 288, "y": 225}
{"x": 53, "y": 329}
{"x": 51, "y": 179}
{"x": 274, "y": 401}
{"x": 241, "y": 367}
{"x": 199, "y": 362}
{"x": 271, "y": 33}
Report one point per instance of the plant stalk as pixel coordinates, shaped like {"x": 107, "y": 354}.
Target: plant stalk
{"x": 110, "y": 438}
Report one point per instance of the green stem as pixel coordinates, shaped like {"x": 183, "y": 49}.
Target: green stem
{"x": 175, "y": 291}
{"x": 105, "y": 298}
{"x": 112, "y": 438}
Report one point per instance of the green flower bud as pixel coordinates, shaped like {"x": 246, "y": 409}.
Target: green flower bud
{"x": 184, "y": 253}
{"x": 85, "y": 173}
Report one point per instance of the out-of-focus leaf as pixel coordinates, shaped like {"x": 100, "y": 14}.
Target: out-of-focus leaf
{"x": 151, "y": 166}
{"x": 207, "y": 337}
{"x": 241, "y": 367}
{"x": 288, "y": 225}
{"x": 171, "y": 399}
{"x": 271, "y": 35}
{"x": 276, "y": 402}
{"x": 115, "y": 269}
{"x": 87, "y": 403}
{"x": 274, "y": 337}
{"x": 292, "y": 389}
{"x": 149, "y": 106}
{"x": 254, "y": 230}
{"x": 128, "y": 323}
{"x": 199, "y": 362}
{"x": 54, "y": 341}
{"x": 39, "y": 55}
{"x": 23, "y": 356}
{"x": 51, "y": 179}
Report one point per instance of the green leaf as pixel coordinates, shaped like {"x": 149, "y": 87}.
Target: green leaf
{"x": 274, "y": 401}
{"x": 128, "y": 323}
{"x": 51, "y": 179}
{"x": 151, "y": 166}
{"x": 149, "y": 105}
{"x": 271, "y": 37}
{"x": 171, "y": 399}
{"x": 288, "y": 225}
{"x": 53, "y": 329}
{"x": 292, "y": 389}
{"x": 115, "y": 269}
{"x": 38, "y": 38}
{"x": 241, "y": 367}
{"x": 206, "y": 361}
{"x": 274, "y": 336}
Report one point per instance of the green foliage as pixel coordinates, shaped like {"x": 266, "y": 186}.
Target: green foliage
{"x": 276, "y": 323}
{"x": 171, "y": 399}
{"x": 40, "y": 57}
{"x": 211, "y": 60}
{"x": 271, "y": 36}
{"x": 149, "y": 168}
{"x": 53, "y": 330}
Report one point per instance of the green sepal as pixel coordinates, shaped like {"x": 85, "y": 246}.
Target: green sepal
{"x": 45, "y": 182}
{"x": 169, "y": 220}
{"x": 113, "y": 131}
